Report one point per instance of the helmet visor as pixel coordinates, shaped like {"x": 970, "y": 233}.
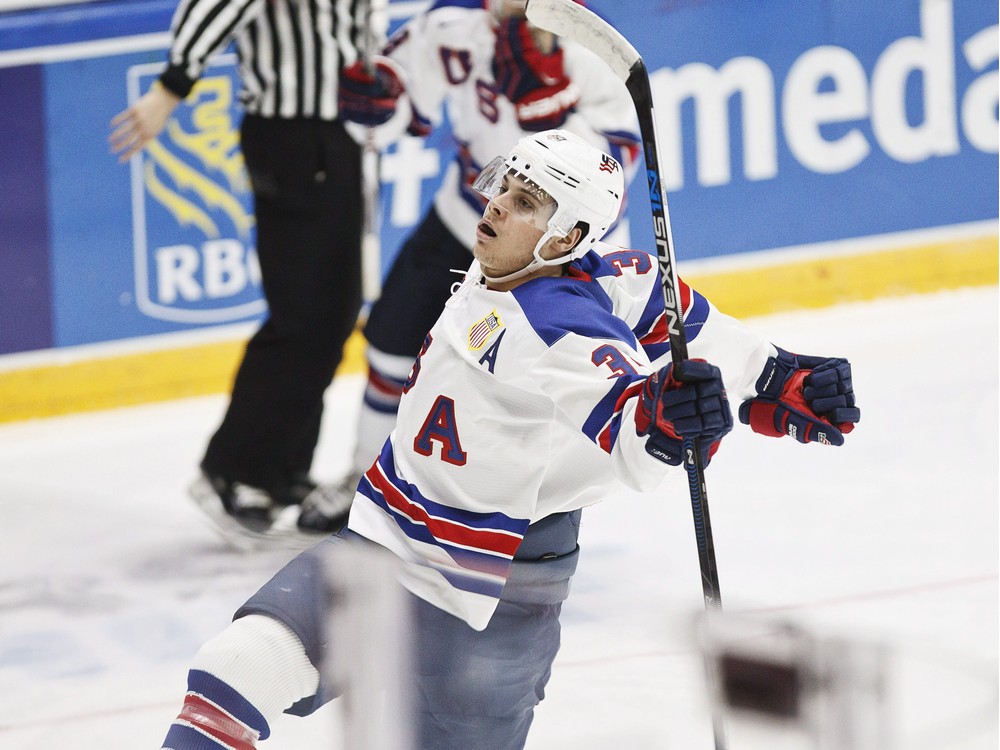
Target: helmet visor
{"x": 527, "y": 201}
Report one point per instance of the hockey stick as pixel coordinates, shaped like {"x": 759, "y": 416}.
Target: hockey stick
{"x": 566, "y": 18}
{"x": 371, "y": 242}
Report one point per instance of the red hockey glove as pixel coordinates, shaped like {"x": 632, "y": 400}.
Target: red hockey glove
{"x": 534, "y": 82}
{"x": 684, "y": 402}
{"x": 368, "y": 99}
{"x": 809, "y": 398}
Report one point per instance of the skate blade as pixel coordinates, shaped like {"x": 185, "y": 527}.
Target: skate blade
{"x": 283, "y": 534}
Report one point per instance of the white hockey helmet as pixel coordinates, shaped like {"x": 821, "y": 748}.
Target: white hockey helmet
{"x": 587, "y": 185}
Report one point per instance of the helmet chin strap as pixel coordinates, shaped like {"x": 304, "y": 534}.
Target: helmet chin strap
{"x": 534, "y": 265}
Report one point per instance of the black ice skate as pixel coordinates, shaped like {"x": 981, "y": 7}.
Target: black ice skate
{"x": 326, "y": 508}
{"x": 241, "y": 514}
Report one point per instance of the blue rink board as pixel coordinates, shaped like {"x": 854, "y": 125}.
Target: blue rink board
{"x": 912, "y": 88}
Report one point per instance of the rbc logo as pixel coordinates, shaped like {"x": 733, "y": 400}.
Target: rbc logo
{"x": 221, "y": 269}
{"x": 193, "y": 224}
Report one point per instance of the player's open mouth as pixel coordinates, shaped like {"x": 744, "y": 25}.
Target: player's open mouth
{"x": 486, "y": 229}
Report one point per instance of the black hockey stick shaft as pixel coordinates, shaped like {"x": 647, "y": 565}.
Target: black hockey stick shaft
{"x": 638, "y": 86}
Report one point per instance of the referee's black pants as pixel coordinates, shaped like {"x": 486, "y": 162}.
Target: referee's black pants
{"x": 306, "y": 180}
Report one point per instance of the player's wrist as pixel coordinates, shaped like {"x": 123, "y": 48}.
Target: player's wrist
{"x": 175, "y": 81}
{"x": 547, "y": 108}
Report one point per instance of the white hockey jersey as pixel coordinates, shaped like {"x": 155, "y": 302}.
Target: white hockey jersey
{"x": 522, "y": 404}
{"x": 446, "y": 55}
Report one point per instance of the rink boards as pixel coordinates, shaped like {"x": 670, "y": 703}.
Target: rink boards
{"x": 842, "y": 155}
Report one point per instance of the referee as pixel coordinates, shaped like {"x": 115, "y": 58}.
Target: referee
{"x": 305, "y": 172}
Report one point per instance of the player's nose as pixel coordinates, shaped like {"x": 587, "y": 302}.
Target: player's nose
{"x": 495, "y": 208}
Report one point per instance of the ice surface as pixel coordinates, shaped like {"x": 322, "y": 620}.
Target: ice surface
{"x": 110, "y": 579}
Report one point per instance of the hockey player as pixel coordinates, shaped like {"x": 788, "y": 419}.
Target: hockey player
{"x": 537, "y": 392}
{"x": 498, "y": 79}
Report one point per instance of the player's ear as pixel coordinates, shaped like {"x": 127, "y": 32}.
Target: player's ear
{"x": 560, "y": 246}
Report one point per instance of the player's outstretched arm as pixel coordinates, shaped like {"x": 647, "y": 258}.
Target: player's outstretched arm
{"x": 682, "y": 401}
{"x": 809, "y": 398}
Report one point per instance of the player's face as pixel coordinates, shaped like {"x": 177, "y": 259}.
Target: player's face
{"x": 514, "y": 220}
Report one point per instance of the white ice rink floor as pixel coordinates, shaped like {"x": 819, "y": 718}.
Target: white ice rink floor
{"x": 110, "y": 579}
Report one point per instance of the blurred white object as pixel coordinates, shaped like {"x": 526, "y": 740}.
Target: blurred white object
{"x": 369, "y": 635}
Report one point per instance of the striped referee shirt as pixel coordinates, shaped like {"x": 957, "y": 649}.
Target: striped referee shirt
{"x": 290, "y": 51}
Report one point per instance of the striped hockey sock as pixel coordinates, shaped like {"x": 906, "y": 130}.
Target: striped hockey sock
{"x": 214, "y": 717}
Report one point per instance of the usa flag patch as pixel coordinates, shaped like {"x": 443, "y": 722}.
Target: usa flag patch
{"x": 481, "y": 331}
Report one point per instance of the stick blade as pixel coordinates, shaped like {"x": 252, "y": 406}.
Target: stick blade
{"x": 567, "y": 18}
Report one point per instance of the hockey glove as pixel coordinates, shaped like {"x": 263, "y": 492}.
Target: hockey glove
{"x": 533, "y": 81}
{"x": 809, "y": 398}
{"x": 684, "y": 401}
{"x": 369, "y": 99}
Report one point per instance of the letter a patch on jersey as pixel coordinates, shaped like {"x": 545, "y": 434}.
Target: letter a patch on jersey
{"x": 481, "y": 331}
{"x": 489, "y": 357}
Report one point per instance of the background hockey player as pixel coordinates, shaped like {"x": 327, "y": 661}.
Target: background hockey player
{"x": 535, "y": 394}
{"x": 498, "y": 79}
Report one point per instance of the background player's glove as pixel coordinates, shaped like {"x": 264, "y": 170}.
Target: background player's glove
{"x": 684, "y": 401}
{"x": 809, "y": 398}
{"x": 369, "y": 99}
{"x": 533, "y": 81}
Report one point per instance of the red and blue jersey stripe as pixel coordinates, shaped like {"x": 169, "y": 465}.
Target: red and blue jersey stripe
{"x": 481, "y": 545}
{"x": 605, "y": 420}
